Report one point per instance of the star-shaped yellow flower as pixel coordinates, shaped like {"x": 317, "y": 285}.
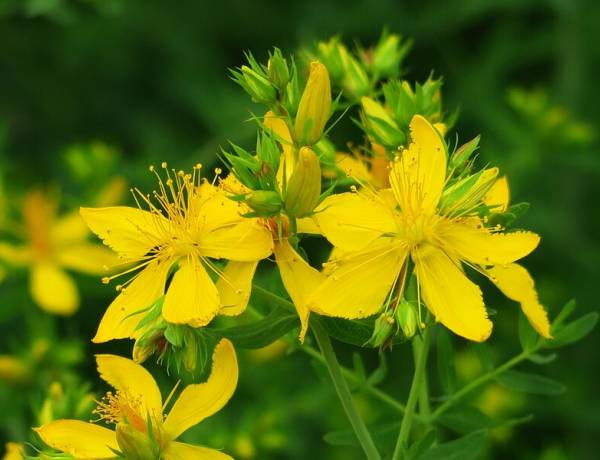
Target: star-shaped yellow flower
{"x": 53, "y": 244}
{"x": 137, "y": 406}
{"x": 190, "y": 224}
{"x": 378, "y": 234}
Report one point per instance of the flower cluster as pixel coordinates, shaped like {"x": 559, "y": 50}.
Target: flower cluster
{"x": 407, "y": 218}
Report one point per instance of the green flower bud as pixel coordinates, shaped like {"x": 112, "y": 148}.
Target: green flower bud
{"x": 463, "y": 153}
{"x": 385, "y": 327}
{"x": 388, "y": 54}
{"x": 331, "y": 54}
{"x": 278, "y": 70}
{"x": 190, "y": 351}
{"x": 304, "y": 187}
{"x": 315, "y": 106}
{"x": 265, "y": 203}
{"x": 258, "y": 86}
{"x": 136, "y": 445}
{"x": 406, "y": 316}
{"x": 142, "y": 352}
{"x": 355, "y": 81}
{"x": 380, "y": 125}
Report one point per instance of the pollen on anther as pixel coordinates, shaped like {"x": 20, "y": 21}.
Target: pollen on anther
{"x": 164, "y": 165}
{"x": 150, "y": 168}
{"x": 105, "y": 280}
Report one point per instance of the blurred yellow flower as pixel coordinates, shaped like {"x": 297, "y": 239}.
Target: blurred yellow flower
{"x": 137, "y": 407}
{"x": 14, "y": 451}
{"x": 189, "y": 223}
{"x": 379, "y": 232}
{"x": 53, "y": 244}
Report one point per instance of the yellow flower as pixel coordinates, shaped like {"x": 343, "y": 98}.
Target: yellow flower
{"x": 137, "y": 405}
{"x": 54, "y": 244}
{"x": 190, "y": 223}
{"x": 378, "y": 233}
{"x": 14, "y": 451}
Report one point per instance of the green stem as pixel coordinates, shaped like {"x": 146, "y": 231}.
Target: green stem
{"x": 424, "y": 407}
{"x": 347, "y": 373}
{"x": 350, "y": 375}
{"x": 473, "y": 385}
{"x": 413, "y": 395}
{"x": 358, "y": 424}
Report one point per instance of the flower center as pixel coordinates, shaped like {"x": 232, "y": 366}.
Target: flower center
{"x": 115, "y": 408}
{"x": 417, "y": 229}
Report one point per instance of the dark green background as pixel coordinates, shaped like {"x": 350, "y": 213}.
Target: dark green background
{"x": 151, "y": 80}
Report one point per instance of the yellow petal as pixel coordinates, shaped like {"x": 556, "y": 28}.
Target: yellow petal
{"x": 16, "y": 255}
{"x": 248, "y": 241}
{"x": 89, "y": 258}
{"x": 69, "y": 228}
{"x": 299, "y": 278}
{"x": 418, "y": 176}
{"x": 14, "y": 451}
{"x": 308, "y": 225}
{"x": 480, "y": 246}
{"x": 499, "y": 195}
{"x": 454, "y": 300}
{"x": 82, "y": 440}
{"x": 282, "y": 133}
{"x": 358, "y": 283}
{"x": 197, "y": 402}
{"x": 353, "y": 166}
{"x": 180, "y": 451}
{"x": 234, "y": 286}
{"x": 53, "y": 289}
{"x": 441, "y": 128}
{"x": 352, "y": 221}
{"x": 517, "y": 284}
{"x": 135, "y": 382}
{"x": 120, "y": 319}
{"x": 131, "y": 232}
{"x": 192, "y": 297}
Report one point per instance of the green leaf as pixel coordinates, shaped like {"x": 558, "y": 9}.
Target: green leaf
{"x": 445, "y": 361}
{"x": 468, "y": 419}
{"x": 261, "y": 333}
{"x": 530, "y": 383}
{"x": 466, "y": 448}
{"x": 564, "y": 314}
{"x": 528, "y": 337}
{"x": 574, "y": 331}
{"x": 542, "y": 359}
{"x": 420, "y": 447}
{"x": 348, "y": 438}
{"x": 354, "y": 332}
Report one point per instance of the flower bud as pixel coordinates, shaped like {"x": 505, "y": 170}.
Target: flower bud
{"x": 385, "y": 327}
{"x": 356, "y": 80}
{"x": 136, "y": 445}
{"x": 190, "y": 351}
{"x": 278, "y": 70}
{"x": 304, "y": 187}
{"x": 266, "y": 203}
{"x": 387, "y": 55}
{"x": 406, "y": 316}
{"x": 380, "y": 125}
{"x": 315, "y": 106}
{"x": 258, "y": 86}
{"x": 463, "y": 153}
{"x": 13, "y": 370}
{"x": 331, "y": 54}
{"x": 142, "y": 352}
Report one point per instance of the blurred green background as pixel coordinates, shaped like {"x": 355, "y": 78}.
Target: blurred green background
{"x": 149, "y": 80}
